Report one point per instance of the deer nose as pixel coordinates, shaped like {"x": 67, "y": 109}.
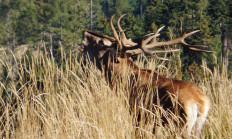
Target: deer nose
{"x": 80, "y": 47}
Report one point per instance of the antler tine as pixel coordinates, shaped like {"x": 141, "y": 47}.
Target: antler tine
{"x": 121, "y": 32}
{"x": 115, "y": 32}
{"x": 118, "y": 24}
{"x": 112, "y": 28}
{"x": 125, "y": 42}
{"x": 193, "y": 47}
{"x": 159, "y": 30}
{"x": 157, "y": 34}
{"x": 139, "y": 50}
{"x": 165, "y": 51}
{"x": 191, "y": 33}
{"x": 144, "y": 42}
{"x": 184, "y": 35}
{"x": 148, "y": 35}
{"x": 200, "y": 50}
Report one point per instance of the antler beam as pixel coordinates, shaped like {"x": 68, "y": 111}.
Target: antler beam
{"x": 150, "y": 41}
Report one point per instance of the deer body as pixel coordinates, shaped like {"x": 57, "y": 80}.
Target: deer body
{"x": 193, "y": 100}
{"x": 110, "y": 54}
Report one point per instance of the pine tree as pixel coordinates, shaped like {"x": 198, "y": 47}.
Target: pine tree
{"x": 27, "y": 24}
{"x": 218, "y": 13}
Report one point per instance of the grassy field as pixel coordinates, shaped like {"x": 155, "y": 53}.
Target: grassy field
{"x": 46, "y": 100}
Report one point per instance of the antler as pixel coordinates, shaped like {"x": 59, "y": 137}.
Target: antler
{"x": 125, "y": 42}
{"x": 150, "y": 41}
{"x": 145, "y": 45}
{"x": 115, "y": 33}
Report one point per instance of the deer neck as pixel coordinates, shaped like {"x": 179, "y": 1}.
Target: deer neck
{"x": 126, "y": 67}
{"x": 123, "y": 67}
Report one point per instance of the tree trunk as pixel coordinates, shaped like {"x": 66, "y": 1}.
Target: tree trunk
{"x": 226, "y": 48}
{"x": 91, "y": 15}
{"x": 141, "y": 10}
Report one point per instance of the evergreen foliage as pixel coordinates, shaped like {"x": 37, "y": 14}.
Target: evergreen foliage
{"x": 57, "y": 22}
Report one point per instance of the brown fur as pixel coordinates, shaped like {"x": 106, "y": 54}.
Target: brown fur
{"x": 188, "y": 93}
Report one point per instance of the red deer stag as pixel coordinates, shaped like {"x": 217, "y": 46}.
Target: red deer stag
{"x": 100, "y": 47}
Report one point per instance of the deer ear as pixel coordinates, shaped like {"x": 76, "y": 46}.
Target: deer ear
{"x": 106, "y": 42}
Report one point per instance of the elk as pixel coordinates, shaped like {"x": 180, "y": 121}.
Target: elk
{"x": 100, "y": 48}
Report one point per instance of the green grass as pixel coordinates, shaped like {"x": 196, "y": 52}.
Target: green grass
{"x": 46, "y": 100}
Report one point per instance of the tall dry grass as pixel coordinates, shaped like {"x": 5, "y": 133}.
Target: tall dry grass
{"x": 46, "y": 100}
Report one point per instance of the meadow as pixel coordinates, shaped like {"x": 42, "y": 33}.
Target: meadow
{"x": 43, "y": 99}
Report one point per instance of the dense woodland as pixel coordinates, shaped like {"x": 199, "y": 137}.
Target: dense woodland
{"x": 44, "y": 91}
{"x": 61, "y": 22}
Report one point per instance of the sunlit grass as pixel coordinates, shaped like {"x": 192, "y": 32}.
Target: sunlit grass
{"x": 47, "y": 100}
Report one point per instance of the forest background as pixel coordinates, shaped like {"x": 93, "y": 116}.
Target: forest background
{"x": 60, "y": 23}
{"x": 45, "y": 93}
